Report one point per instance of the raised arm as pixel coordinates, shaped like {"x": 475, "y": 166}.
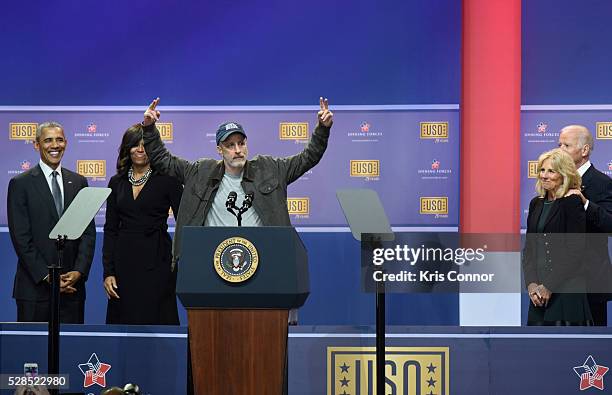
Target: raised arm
{"x": 161, "y": 159}
{"x": 296, "y": 165}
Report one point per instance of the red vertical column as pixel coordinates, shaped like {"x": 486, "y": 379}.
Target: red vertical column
{"x": 490, "y": 116}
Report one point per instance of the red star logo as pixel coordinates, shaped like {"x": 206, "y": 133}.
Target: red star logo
{"x": 94, "y": 371}
{"x": 591, "y": 374}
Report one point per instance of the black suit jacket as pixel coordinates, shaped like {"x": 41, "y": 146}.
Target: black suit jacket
{"x": 31, "y": 217}
{"x": 564, "y": 240}
{"x": 597, "y": 188}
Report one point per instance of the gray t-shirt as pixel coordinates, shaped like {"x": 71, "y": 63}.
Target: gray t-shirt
{"x": 218, "y": 214}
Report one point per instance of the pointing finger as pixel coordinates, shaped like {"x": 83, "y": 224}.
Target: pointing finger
{"x": 325, "y": 104}
{"x": 321, "y": 103}
{"x": 154, "y": 104}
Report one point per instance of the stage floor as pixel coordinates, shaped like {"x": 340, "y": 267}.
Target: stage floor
{"x": 336, "y": 360}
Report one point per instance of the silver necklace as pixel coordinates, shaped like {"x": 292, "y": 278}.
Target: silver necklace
{"x": 141, "y": 180}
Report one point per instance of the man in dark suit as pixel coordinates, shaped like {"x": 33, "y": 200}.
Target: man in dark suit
{"x": 36, "y": 200}
{"x": 596, "y": 196}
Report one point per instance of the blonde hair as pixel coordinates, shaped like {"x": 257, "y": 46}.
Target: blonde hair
{"x": 563, "y": 164}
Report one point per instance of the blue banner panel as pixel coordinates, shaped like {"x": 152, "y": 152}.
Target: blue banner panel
{"x": 336, "y": 360}
{"x": 409, "y": 155}
{"x": 429, "y": 360}
{"x": 98, "y": 357}
{"x": 335, "y": 293}
{"x": 540, "y": 127}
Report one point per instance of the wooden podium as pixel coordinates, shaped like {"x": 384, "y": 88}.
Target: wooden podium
{"x": 238, "y": 329}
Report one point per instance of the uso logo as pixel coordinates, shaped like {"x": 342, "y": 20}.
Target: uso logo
{"x": 92, "y": 168}
{"x": 365, "y": 168}
{"x": 166, "y": 130}
{"x": 410, "y": 370}
{"x": 532, "y": 169}
{"x": 22, "y": 131}
{"x": 604, "y": 130}
{"x": 298, "y": 206}
{"x": 293, "y": 130}
{"x": 434, "y": 130}
{"x": 434, "y": 205}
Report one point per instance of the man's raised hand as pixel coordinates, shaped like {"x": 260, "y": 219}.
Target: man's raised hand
{"x": 151, "y": 115}
{"x": 578, "y": 193}
{"x": 325, "y": 116}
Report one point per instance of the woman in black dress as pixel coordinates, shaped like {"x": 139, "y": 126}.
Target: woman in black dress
{"x": 138, "y": 278}
{"x": 552, "y": 259}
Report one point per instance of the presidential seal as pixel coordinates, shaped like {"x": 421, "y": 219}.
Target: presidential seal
{"x": 236, "y": 259}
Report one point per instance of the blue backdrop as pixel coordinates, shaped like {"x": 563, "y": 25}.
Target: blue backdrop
{"x": 566, "y": 47}
{"x": 242, "y": 53}
{"x": 230, "y": 53}
{"x": 285, "y": 53}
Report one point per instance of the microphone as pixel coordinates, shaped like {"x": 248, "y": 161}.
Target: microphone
{"x": 246, "y": 204}
{"x": 230, "y": 203}
{"x": 248, "y": 201}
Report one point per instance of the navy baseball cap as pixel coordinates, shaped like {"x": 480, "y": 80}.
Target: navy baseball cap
{"x": 227, "y": 128}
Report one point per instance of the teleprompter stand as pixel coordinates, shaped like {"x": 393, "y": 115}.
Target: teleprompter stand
{"x": 70, "y": 226}
{"x": 369, "y": 224}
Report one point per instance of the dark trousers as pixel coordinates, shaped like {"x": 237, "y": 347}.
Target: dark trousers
{"x": 598, "y": 303}
{"x": 72, "y": 310}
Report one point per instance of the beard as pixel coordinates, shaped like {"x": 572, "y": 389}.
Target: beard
{"x": 236, "y": 163}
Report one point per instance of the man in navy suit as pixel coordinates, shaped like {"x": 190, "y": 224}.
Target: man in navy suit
{"x": 596, "y": 196}
{"x": 36, "y": 200}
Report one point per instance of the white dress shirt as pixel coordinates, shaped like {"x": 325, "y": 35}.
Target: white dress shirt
{"x": 581, "y": 170}
{"x": 49, "y": 177}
